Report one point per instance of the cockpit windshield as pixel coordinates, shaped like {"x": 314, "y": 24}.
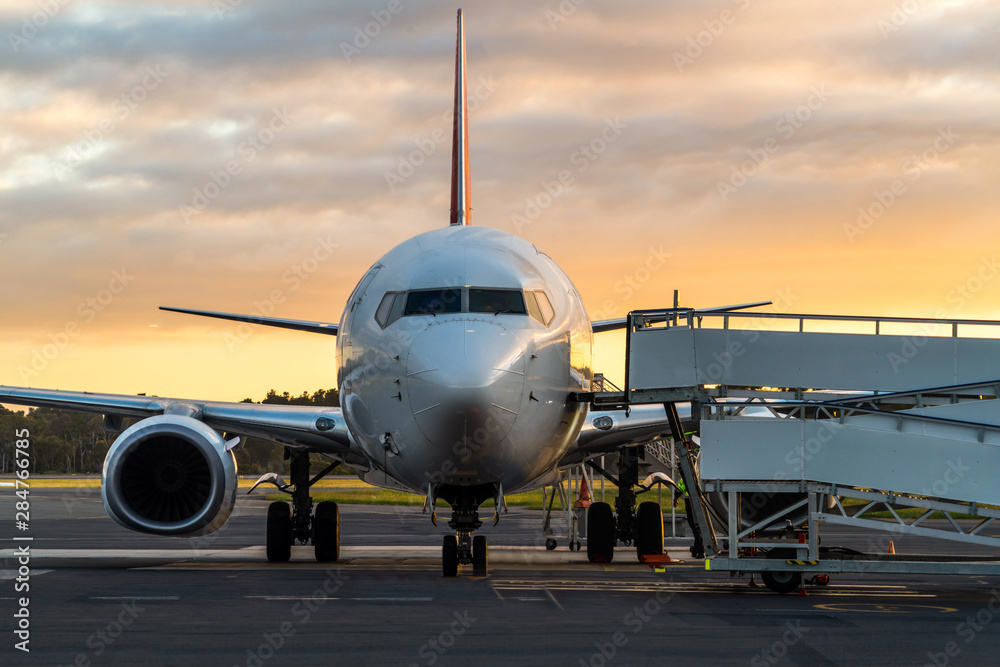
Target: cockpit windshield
{"x": 496, "y": 301}
{"x": 445, "y": 300}
{"x": 433, "y": 302}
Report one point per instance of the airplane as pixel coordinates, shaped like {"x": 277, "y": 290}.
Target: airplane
{"x": 460, "y": 357}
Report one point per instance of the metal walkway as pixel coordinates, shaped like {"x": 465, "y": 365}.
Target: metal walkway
{"x": 843, "y": 424}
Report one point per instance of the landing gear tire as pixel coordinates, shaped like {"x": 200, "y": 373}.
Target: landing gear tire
{"x": 480, "y": 560}
{"x": 326, "y": 532}
{"x": 574, "y": 545}
{"x": 550, "y": 544}
{"x": 601, "y": 535}
{"x": 649, "y": 526}
{"x": 781, "y": 581}
{"x": 449, "y": 556}
{"x": 278, "y": 537}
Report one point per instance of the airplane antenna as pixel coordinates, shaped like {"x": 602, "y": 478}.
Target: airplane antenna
{"x": 461, "y": 213}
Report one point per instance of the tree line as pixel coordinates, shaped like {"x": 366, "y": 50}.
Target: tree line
{"x": 65, "y": 442}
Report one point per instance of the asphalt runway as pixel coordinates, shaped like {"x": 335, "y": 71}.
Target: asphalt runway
{"x": 102, "y": 595}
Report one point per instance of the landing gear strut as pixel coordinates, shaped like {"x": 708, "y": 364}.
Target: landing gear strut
{"x": 462, "y": 548}
{"x": 288, "y": 524}
{"x": 625, "y": 525}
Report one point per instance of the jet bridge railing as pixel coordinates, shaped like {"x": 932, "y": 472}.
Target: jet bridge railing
{"x": 671, "y": 355}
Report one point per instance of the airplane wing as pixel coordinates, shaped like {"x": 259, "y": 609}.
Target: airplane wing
{"x": 606, "y": 432}
{"x": 312, "y": 428}
{"x": 298, "y": 325}
{"x": 667, "y": 313}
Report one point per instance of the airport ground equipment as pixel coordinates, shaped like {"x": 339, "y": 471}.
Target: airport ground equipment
{"x": 836, "y": 425}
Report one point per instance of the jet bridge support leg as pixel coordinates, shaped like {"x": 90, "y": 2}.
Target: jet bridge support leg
{"x": 704, "y": 533}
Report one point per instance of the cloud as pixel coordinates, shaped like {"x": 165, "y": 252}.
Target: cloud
{"x": 98, "y": 160}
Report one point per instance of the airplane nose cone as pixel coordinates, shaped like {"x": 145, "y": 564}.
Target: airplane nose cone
{"x": 465, "y": 381}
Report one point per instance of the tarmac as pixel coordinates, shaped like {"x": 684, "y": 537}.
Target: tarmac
{"x": 99, "y": 594}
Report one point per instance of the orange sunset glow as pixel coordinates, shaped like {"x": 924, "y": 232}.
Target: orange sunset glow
{"x": 258, "y": 157}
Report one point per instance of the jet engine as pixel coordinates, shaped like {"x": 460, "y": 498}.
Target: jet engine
{"x": 169, "y": 475}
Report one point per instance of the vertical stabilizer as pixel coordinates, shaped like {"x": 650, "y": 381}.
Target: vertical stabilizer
{"x": 461, "y": 212}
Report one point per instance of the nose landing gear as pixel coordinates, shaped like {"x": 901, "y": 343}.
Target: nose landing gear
{"x": 462, "y": 548}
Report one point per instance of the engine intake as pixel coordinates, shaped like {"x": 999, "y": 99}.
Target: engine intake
{"x": 170, "y": 475}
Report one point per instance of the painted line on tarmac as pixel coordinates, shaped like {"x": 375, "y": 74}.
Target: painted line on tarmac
{"x": 368, "y": 599}
{"x": 145, "y": 598}
{"x": 284, "y": 598}
{"x": 553, "y": 598}
{"x": 886, "y": 608}
{"x": 7, "y": 575}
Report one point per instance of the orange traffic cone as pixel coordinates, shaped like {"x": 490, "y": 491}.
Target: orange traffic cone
{"x": 892, "y": 548}
{"x": 584, "y": 498}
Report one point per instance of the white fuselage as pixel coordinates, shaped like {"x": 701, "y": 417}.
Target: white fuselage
{"x": 441, "y": 383}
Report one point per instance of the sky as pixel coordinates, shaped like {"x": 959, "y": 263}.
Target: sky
{"x": 257, "y": 157}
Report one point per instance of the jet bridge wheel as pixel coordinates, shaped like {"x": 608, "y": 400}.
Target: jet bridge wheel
{"x": 326, "y": 532}
{"x": 649, "y": 530}
{"x": 480, "y": 561}
{"x": 449, "y": 556}
{"x": 781, "y": 581}
{"x": 601, "y": 534}
{"x": 278, "y": 537}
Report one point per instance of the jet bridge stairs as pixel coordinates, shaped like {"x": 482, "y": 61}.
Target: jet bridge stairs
{"x": 840, "y": 424}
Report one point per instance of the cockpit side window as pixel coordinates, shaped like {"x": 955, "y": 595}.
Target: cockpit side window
{"x": 433, "y": 302}
{"x": 382, "y": 313}
{"x": 390, "y": 308}
{"x": 539, "y": 306}
{"x": 496, "y": 301}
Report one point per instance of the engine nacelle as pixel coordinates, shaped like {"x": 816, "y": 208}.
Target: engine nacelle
{"x": 169, "y": 475}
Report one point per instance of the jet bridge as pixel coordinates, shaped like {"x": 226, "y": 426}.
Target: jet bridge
{"x": 846, "y": 423}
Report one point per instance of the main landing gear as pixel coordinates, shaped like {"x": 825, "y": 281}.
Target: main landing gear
{"x": 605, "y": 528}
{"x": 462, "y": 548}
{"x": 295, "y": 522}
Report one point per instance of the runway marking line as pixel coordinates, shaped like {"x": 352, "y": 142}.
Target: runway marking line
{"x": 368, "y": 599}
{"x": 145, "y": 598}
{"x": 553, "y": 598}
{"x": 885, "y": 608}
